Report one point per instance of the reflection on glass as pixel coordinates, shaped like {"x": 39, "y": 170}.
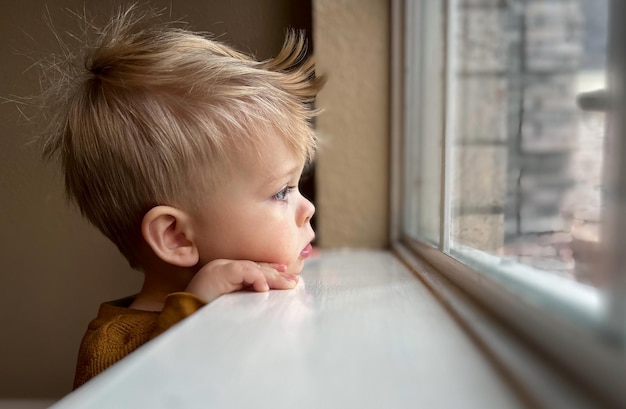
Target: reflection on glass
{"x": 527, "y": 172}
{"x": 424, "y": 101}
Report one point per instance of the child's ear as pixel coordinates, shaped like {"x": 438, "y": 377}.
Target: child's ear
{"x": 168, "y": 232}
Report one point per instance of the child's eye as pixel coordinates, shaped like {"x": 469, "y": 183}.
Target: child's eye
{"x": 283, "y": 194}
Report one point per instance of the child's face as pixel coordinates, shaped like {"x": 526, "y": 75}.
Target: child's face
{"x": 258, "y": 213}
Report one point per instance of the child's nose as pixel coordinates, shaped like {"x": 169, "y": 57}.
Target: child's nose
{"x": 307, "y": 210}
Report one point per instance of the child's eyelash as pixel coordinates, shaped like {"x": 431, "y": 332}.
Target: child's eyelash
{"x": 283, "y": 193}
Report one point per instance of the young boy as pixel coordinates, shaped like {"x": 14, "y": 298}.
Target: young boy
{"x": 187, "y": 155}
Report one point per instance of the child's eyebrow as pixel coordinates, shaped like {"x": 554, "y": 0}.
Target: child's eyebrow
{"x": 279, "y": 176}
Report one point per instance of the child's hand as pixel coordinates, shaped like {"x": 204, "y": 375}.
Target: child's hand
{"x": 225, "y": 276}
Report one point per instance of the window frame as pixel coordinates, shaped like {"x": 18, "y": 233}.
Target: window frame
{"x": 575, "y": 352}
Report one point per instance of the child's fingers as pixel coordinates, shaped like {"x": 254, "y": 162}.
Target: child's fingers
{"x": 225, "y": 276}
{"x": 221, "y": 277}
{"x": 277, "y": 277}
{"x": 260, "y": 276}
{"x": 247, "y": 274}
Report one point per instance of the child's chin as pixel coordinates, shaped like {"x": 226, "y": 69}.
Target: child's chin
{"x": 295, "y": 267}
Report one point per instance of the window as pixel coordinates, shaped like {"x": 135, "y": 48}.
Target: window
{"x": 511, "y": 156}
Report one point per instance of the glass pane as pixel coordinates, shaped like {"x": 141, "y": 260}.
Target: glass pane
{"x": 527, "y": 161}
{"x": 424, "y": 121}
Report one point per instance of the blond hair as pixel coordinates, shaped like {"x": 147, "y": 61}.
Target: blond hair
{"x": 156, "y": 111}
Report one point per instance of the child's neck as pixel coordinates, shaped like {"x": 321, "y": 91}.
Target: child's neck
{"x": 160, "y": 280}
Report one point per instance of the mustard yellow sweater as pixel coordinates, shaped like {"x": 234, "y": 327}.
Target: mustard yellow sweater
{"x": 119, "y": 330}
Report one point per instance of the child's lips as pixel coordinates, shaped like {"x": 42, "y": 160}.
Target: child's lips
{"x": 306, "y": 252}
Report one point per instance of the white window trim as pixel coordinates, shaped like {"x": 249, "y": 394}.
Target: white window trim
{"x": 578, "y": 360}
{"x": 574, "y": 350}
{"x": 536, "y": 378}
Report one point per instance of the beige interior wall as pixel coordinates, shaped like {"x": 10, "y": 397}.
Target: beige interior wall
{"x": 56, "y": 269}
{"x": 352, "y": 48}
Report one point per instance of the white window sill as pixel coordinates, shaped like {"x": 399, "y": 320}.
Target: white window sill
{"x": 359, "y": 331}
